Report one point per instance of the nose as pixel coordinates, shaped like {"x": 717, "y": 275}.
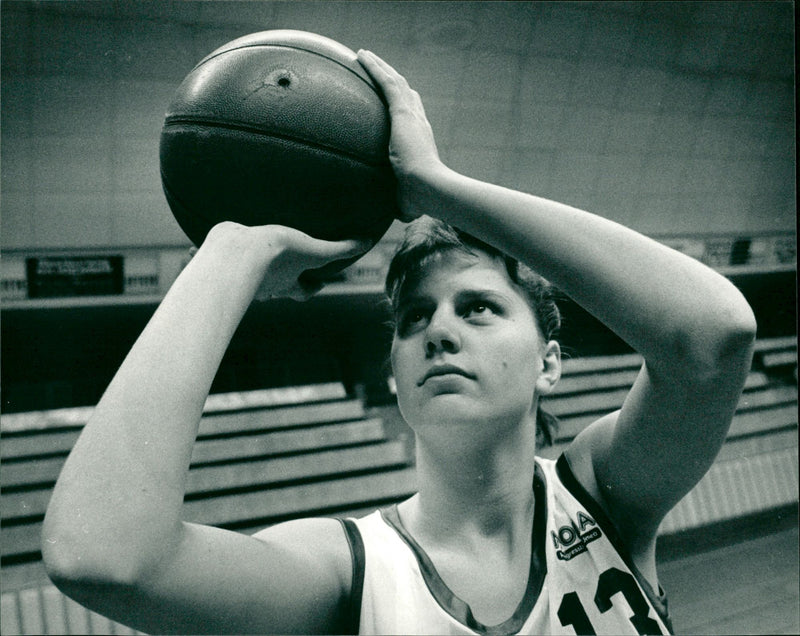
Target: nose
{"x": 442, "y": 334}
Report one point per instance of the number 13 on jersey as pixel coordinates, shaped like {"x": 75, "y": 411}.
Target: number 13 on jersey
{"x": 571, "y": 611}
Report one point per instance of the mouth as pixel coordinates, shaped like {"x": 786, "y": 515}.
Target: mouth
{"x": 444, "y": 369}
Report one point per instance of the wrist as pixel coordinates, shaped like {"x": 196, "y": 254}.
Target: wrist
{"x": 423, "y": 190}
{"x": 236, "y": 253}
{"x": 240, "y": 242}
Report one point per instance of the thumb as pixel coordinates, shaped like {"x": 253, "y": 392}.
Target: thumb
{"x": 320, "y": 252}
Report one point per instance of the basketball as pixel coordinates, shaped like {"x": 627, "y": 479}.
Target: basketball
{"x": 279, "y": 127}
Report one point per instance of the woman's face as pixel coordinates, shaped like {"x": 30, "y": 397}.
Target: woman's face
{"x": 467, "y": 348}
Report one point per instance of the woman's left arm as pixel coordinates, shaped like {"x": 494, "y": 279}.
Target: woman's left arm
{"x": 693, "y": 327}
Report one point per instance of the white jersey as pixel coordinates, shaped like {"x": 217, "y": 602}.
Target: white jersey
{"x": 581, "y": 580}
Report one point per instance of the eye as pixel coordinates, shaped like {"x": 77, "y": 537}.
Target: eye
{"x": 479, "y": 309}
{"x": 411, "y": 320}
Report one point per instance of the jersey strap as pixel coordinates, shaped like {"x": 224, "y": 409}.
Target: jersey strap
{"x": 576, "y": 489}
{"x": 352, "y": 617}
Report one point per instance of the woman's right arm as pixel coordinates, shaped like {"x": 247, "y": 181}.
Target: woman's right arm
{"x": 113, "y": 538}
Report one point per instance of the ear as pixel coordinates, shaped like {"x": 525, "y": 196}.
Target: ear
{"x": 551, "y": 368}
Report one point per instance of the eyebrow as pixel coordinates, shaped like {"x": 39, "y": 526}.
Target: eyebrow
{"x": 482, "y": 293}
{"x": 471, "y": 293}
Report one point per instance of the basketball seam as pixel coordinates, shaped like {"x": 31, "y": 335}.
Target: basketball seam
{"x": 173, "y": 121}
{"x": 296, "y": 48}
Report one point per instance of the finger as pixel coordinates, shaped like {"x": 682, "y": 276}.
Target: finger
{"x": 381, "y": 72}
{"x": 382, "y": 64}
{"x": 373, "y": 61}
{"x": 319, "y": 252}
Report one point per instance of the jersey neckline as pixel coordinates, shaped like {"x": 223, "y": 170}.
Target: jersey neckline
{"x": 458, "y": 608}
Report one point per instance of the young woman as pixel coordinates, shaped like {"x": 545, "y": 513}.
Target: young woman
{"x": 496, "y": 540}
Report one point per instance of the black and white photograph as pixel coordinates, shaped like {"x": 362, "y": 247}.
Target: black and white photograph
{"x": 398, "y": 317}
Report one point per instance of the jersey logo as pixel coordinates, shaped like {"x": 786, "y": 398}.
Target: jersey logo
{"x": 573, "y": 539}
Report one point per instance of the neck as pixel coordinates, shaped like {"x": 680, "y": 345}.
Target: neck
{"x": 483, "y": 486}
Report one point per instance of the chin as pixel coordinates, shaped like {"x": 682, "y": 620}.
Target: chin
{"x": 454, "y": 409}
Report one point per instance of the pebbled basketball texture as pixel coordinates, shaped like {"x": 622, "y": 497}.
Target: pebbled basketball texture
{"x": 279, "y": 127}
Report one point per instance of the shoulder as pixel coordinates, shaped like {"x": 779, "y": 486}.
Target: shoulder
{"x": 590, "y": 447}
{"x": 322, "y": 541}
{"x": 589, "y": 443}
{"x": 637, "y": 533}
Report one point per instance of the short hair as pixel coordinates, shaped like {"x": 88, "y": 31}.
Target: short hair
{"x": 426, "y": 238}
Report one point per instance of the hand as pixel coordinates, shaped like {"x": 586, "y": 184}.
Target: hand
{"x": 283, "y": 255}
{"x": 412, "y": 147}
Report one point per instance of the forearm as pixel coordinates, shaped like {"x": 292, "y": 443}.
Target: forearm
{"x": 123, "y": 483}
{"x": 658, "y": 300}
{"x": 667, "y": 306}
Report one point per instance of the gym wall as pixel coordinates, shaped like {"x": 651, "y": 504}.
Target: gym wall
{"x": 673, "y": 117}
{"x": 676, "y": 118}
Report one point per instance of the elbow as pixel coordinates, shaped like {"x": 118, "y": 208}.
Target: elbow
{"x": 76, "y": 559}
{"x": 62, "y": 553}
{"x": 735, "y": 352}
{"x": 738, "y": 328}
{"x": 70, "y": 560}
{"x": 68, "y": 568}
{"x": 712, "y": 345}
{"x": 91, "y": 541}
{"x": 723, "y": 350}
{"x": 78, "y": 573}
{"x": 91, "y": 578}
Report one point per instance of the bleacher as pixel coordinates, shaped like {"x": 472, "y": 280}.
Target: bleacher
{"x": 756, "y": 471}
{"x": 260, "y": 457}
{"x": 270, "y": 455}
